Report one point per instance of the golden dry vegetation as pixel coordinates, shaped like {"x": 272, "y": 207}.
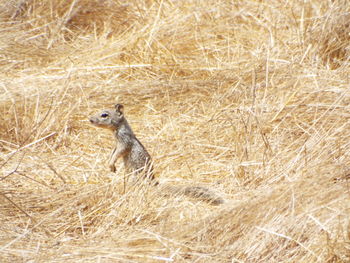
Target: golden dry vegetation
{"x": 249, "y": 98}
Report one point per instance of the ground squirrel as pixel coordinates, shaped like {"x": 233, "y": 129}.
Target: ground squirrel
{"x": 135, "y": 156}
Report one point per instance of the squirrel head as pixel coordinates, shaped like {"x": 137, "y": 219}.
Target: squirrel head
{"x": 109, "y": 119}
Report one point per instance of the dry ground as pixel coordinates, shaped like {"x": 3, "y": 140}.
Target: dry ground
{"x": 249, "y": 98}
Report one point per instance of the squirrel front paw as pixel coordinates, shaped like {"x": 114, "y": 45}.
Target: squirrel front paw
{"x": 112, "y": 167}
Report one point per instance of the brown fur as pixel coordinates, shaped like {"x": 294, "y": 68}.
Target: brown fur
{"x": 136, "y": 158}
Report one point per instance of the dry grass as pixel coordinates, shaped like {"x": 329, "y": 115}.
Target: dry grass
{"x": 250, "y": 98}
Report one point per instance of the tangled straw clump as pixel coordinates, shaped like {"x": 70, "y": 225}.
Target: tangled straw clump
{"x": 247, "y": 98}
{"x": 332, "y": 35}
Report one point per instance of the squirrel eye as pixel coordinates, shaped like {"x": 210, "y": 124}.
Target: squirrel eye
{"x": 104, "y": 115}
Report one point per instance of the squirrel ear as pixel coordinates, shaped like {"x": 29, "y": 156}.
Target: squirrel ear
{"x": 119, "y": 108}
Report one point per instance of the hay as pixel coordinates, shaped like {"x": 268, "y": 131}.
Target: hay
{"x": 247, "y": 98}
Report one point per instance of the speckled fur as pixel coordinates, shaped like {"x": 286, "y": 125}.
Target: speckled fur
{"x": 135, "y": 156}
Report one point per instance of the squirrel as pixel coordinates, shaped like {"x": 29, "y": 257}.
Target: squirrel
{"x": 136, "y": 158}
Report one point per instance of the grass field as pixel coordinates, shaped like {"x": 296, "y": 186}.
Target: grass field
{"x": 248, "y": 98}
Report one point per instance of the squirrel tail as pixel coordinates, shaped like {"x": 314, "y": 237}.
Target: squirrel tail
{"x": 203, "y": 194}
{"x": 197, "y": 192}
